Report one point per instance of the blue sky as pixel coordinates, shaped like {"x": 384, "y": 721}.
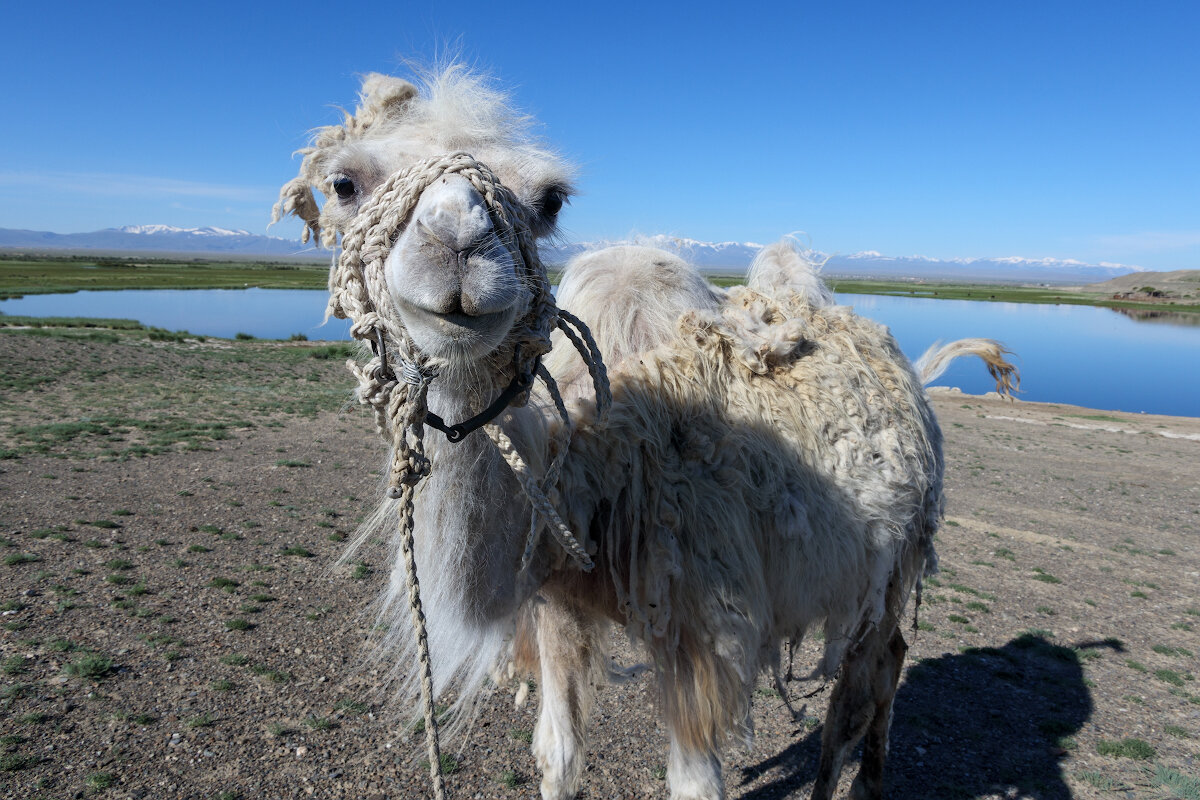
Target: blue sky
{"x": 963, "y": 129}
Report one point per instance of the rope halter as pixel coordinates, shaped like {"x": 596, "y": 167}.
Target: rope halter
{"x": 358, "y": 291}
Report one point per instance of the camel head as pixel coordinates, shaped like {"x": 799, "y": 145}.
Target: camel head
{"x": 430, "y": 161}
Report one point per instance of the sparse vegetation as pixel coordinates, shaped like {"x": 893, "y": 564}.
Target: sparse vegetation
{"x": 1040, "y": 574}
{"x": 1126, "y": 748}
{"x": 89, "y": 667}
{"x": 100, "y": 780}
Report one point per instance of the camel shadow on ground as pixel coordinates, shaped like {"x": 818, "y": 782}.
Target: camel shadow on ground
{"x": 987, "y": 721}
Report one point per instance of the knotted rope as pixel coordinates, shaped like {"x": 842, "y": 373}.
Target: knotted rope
{"x": 358, "y": 291}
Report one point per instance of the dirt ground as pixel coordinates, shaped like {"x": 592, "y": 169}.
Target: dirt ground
{"x": 174, "y": 625}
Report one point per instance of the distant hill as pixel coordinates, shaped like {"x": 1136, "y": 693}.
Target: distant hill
{"x": 1009, "y": 269}
{"x": 733, "y": 257}
{"x": 1180, "y": 282}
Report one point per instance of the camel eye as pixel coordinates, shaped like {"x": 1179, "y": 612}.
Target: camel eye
{"x": 552, "y": 202}
{"x": 344, "y": 188}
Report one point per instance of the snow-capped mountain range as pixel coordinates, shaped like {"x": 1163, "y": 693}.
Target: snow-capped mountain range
{"x": 736, "y": 256}
{"x": 714, "y": 256}
{"x": 161, "y": 238}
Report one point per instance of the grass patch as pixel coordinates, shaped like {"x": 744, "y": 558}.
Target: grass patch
{"x": 448, "y": 762}
{"x": 92, "y": 667}
{"x": 13, "y": 762}
{"x": 1182, "y": 786}
{"x": 351, "y": 707}
{"x": 1097, "y": 779}
{"x": 1040, "y": 574}
{"x": 98, "y": 781}
{"x": 1166, "y": 650}
{"x": 1171, "y": 676}
{"x": 1126, "y": 748}
{"x": 14, "y": 665}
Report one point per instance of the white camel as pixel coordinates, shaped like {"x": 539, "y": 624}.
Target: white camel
{"x": 769, "y": 464}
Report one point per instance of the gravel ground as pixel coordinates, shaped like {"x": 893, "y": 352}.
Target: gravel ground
{"x": 174, "y": 625}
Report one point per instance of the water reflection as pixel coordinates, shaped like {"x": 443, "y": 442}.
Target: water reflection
{"x": 1161, "y": 317}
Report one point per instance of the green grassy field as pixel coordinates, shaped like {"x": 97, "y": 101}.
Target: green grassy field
{"x": 1000, "y": 293}
{"x": 70, "y": 274}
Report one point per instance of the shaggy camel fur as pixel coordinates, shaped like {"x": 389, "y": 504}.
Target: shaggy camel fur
{"x": 770, "y": 465}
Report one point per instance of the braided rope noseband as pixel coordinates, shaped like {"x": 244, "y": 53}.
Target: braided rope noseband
{"x": 358, "y": 291}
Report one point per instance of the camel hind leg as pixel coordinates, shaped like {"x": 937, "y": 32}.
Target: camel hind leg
{"x": 869, "y": 782}
{"x": 862, "y": 705}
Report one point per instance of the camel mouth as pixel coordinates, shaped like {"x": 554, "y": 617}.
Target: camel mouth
{"x": 456, "y": 333}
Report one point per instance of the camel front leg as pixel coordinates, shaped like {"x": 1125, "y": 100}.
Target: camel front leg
{"x": 698, "y": 691}
{"x": 694, "y": 773}
{"x": 571, "y": 663}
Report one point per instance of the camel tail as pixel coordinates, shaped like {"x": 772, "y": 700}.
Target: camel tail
{"x": 938, "y": 357}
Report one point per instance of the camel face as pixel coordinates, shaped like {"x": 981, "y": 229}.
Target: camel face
{"x": 453, "y": 281}
{"x": 452, "y": 273}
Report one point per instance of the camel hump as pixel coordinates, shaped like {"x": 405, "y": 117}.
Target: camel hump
{"x": 632, "y": 297}
{"x": 783, "y": 267}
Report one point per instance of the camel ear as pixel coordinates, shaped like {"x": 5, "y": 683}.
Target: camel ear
{"x": 382, "y": 96}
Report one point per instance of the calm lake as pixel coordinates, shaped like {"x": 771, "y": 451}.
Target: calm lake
{"x": 1092, "y": 357}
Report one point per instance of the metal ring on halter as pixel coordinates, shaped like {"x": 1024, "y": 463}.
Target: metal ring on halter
{"x": 382, "y": 373}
